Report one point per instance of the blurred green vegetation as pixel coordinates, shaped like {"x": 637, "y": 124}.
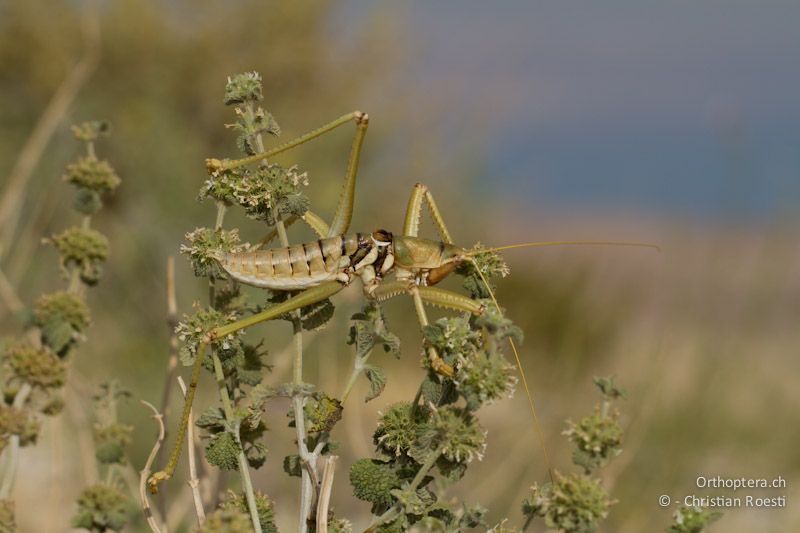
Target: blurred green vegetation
{"x": 699, "y": 335}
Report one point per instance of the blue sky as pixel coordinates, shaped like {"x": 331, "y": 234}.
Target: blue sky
{"x": 678, "y": 108}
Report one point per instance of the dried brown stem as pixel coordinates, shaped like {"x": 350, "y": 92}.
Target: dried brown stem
{"x": 326, "y": 487}
{"x": 145, "y": 473}
{"x": 172, "y": 360}
{"x": 194, "y": 482}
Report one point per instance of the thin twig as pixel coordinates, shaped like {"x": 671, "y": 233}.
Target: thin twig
{"x": 307, "y": 459}
{"x": 12, "y": 199}
{"x": 172, "y": 322}
{"x": 194, "y": 482}
{"x": 227, "y": 408}
{"x": 244, "y": 467}
{"x": 145, "y": 473}
{"x": 172, "y": 363}
{"x": 328, "y": 469}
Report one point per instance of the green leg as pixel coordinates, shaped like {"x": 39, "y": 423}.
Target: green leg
{"x": 344, "y": 209}
{"x": 432, "y": 296}
{"x": 215, "y": 165}
{"x": 307, "y": 297}
{"x": 421, "y": 194}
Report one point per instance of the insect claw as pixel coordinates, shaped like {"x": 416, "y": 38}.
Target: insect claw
{"x": 154, "y": 480}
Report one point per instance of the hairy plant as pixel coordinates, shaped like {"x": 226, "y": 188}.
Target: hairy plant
{"x": 422, "y": 446}
{"x": 35, "y": 366}
{"x": 693, "y": 519}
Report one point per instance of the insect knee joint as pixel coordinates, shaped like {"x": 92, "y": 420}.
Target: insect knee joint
{"x": 361, "y": 117}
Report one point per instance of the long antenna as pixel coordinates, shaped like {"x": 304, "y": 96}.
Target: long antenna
{"x": 539, "y": 432}
{"x": 563, "y": 243}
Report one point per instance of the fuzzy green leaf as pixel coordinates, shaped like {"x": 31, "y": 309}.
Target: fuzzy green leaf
{"x": 222, "y": 451}
{"x": 377, "y": 381}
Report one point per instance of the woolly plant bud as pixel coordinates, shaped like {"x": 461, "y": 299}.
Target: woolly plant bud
{"x": 62, "y": 317}
{"x": 693, "y": 519}
{"x": 102, "y": 508}
{"x": 454, "y": 433}
{"x": 83, "y": 248}
{"x": 484, "y": 378}
{"x": 38, "y": 367}
{"x": 222, "y": 451}
{"x": 193, "y": 330}
{"x": 241, "y": 88}
{"x": 496, "y": 324}
{"x": 398, "y": 427}
{"x": 253, "y": 121}
{"x": 571, "y": 503}
{"x": 340, "y": 525}
{"x": 18, "y": 422}
{"x": 227, "y": 520}
{"x": 373, "y": 482}
{"x": 264, "y": 508}
{"x": 110, "y": 441}
{"x": 92, "y": 174}
{"x": 490, "y": 264}
{"x": 223, "y": 185}
{"x": 205, "y": 245}
{"x": 597, "y": 439}
{"x": 91, "y": 131}
{"x": 453, "y": 338}
{"x": 609, "y": 389}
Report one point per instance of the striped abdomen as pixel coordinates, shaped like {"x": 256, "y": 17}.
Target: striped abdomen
{"x": 297, "y": 267}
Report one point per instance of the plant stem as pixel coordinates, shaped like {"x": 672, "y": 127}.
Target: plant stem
{"x": 325, "y": 493}
{"x": 172, "y": 365}
{"x": 145, "y": 473}
{"x": 244, "y": 468}
{"x": 227, "y": 408}
{"x": 297, "y": 405}
{"x": 358, "y": 367}
{"x": 194, "y": 482}
{"x": 527, "y": 523}
{"x": 392, "y": 513}
{"x": 308, "y": 460}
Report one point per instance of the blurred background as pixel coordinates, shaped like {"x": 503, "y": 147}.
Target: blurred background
{"x": 665, "y": 122}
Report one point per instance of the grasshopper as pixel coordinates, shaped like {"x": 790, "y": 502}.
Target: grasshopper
{"x": 322, "y": 268}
